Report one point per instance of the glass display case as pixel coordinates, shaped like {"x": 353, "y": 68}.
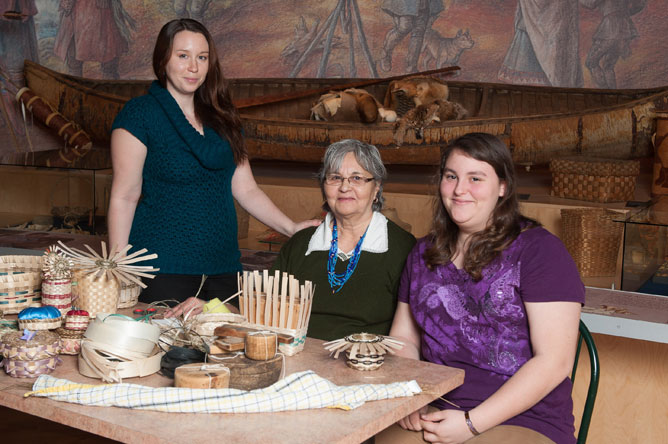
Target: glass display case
{"x": 645, "y": 252}
{"x": 38, "y": 196}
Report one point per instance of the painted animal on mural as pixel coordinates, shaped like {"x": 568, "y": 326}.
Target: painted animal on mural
{"x": 444, "y": 51}
{"x": 409, "y": 18}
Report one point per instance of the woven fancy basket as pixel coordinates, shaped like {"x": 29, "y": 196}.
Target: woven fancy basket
{"x": 594, "y": 179}
{"x": 30, "y": 358}
{"x": 40, "y": 324}
{"x": 129, "y": 296}
{"x": 98, "y": 294}
{"x": 57, "y": 293}
{"x": 593, "y": 239}
{"x": 20, "y": 283}
{"x": 70, "y": 341}
{"x": 76, "y": 322}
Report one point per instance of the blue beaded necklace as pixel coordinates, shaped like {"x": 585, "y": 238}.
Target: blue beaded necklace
{"x": 337, "y": 280}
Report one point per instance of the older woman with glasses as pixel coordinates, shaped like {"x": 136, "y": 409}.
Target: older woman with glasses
{"x": 356, "y": 256}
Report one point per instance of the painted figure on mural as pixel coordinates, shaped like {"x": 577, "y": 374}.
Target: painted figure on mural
{"x": 18, "y": 40}
{"x": 612, "y": 39}
{"x": 194, "y": 9}
{"x": 93, "y": 31}
{"x": 412, "y": 17}
{"x": 544, "y": 49}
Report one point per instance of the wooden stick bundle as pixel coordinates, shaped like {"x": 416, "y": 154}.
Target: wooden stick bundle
{"x": 275, "y": 301}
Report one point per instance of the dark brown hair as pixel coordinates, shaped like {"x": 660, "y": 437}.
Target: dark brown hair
{"x": 506, "y": 221}
{"x": 213, "y": 103}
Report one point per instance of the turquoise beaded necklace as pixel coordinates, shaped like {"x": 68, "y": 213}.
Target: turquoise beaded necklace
{"x": 337, "y": 280}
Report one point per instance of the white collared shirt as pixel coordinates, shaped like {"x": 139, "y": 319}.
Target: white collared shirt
{"x": 375, "y": 241}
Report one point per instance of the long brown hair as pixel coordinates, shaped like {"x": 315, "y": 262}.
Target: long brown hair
{"x": 506, "y": 221}
{"x": 213, "y": 103}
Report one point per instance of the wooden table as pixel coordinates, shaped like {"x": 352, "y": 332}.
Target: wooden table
{"x": 305, "y": 426}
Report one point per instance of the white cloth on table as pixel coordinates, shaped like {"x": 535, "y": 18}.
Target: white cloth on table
{"x": 298, "y": 391}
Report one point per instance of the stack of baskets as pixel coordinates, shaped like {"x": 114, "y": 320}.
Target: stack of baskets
{"x": 593, "y": 239}
{"x": 594, "y": 179}
{"x": 20, "y": 283}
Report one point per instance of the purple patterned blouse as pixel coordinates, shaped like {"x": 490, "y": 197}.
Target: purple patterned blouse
{"x": 482, "y": 327}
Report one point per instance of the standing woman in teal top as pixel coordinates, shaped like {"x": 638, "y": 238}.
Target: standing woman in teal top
{"x": 179, "y": 159}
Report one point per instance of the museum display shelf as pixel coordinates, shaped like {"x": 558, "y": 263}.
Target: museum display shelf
{"x": 645, "y": 248}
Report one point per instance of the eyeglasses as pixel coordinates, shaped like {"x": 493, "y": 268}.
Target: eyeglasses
{"x": 354, "y": 181}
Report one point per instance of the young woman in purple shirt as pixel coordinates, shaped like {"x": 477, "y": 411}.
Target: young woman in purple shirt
{"x": 493, "y": 293}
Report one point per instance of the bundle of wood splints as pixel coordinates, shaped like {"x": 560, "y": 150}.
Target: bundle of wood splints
{"x": 277, "y": 301}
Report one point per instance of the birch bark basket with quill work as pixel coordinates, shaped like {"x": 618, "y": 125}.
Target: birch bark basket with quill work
{"x": 100, "y": 286}
{"x": 278, "y": 303}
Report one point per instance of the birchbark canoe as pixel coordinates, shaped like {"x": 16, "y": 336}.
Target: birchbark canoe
{"x": 537, "y": 123}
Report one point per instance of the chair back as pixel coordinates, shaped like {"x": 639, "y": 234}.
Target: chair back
{"x": 586, "y": 337}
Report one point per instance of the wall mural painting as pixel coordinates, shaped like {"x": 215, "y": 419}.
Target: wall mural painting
{"x": 571, "y": 43}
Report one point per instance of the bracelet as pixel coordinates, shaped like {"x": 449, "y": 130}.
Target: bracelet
{"x": 470, "y": 424}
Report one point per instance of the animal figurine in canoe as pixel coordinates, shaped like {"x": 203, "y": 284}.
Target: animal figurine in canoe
{"x": 537, "y": 123}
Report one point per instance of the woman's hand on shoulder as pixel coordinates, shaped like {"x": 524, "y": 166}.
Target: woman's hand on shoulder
{"x": 445, "y": 426}
{"x": 191, "y": 307}
{"x": 298, "y": 226}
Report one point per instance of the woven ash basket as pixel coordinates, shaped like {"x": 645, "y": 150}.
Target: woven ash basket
{"x": 20, "y": 283}
{"x": 70, "y": 341}
{"x": 98, "y": 294}
{"x": 594, "y": 179}
{"x": 129, "y": 296}
{"x": 31, "y": 358}
{"x": 57, "y": 293}
{"x": 593, "y": 239}
{"x": 40, "y": 324}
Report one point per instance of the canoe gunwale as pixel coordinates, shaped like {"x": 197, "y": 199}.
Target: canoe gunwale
{"x": 646, "y": 93}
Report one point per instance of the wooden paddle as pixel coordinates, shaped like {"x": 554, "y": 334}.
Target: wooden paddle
{"x": 263, "y": 100}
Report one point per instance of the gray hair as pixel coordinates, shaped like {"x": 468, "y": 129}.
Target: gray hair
{"x": 366, "y": 155}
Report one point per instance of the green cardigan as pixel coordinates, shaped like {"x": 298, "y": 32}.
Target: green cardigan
{"x": 367, "y": 301}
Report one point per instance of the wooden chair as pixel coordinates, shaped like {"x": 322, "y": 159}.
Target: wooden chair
{"x": 586, "y": 337}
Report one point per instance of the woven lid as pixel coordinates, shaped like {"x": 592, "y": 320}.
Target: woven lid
{"x": 595, "y": 166}
{"x": 43, "y": 340}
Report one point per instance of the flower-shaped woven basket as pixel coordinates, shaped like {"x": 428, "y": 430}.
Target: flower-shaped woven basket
{"x": 364, "y": 351}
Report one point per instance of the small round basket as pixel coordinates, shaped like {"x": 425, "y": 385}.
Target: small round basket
{"x": 129, "y": 295}
{"x": 364, "y": 351}
{"x": 29, "y": 358}
{"x": 20, "y": 283}
{"x": 77, "y": 320}
{"x": 70, "y": 341}
{"x": 363, "y": 357}
{"x": 40, "y": 318}
{"x": 40, "y": 324}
